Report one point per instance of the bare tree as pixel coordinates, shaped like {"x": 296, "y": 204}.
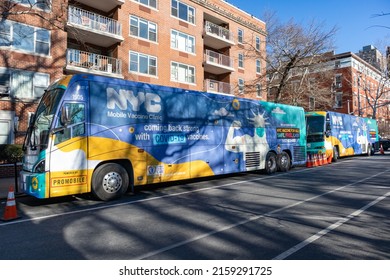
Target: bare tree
{"x": 381, "y": 15}
{"x": 293, "y": 53}
{"x": 377, "y": 95}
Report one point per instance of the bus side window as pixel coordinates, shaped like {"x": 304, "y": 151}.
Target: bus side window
{"x": 328, "y": 129}
{"x": 77, "y": 118}
{"x": 76, "y": 125}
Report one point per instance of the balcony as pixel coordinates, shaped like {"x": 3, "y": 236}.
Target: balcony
{"x": 217, "y": 37}
{"x": 217, "y": 63}
{"x": 218, "y": 87}
{"x": 93, "y": 28}
{"x": 85, "y": 62}
{"x": 105, "y": 5}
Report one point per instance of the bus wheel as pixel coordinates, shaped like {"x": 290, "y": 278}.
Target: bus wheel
{"x": 369, "y": 150}
{"x": 109, "y": 181}
{"x": 335, "y": 154}
{"x": 283, "y": 162}
{"x": 270, "y": 163}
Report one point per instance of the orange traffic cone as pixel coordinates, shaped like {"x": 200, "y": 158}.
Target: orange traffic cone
{"x": 319, "y": 159}
{"x": 330, "y": 157}
{"x": 381, "y": 150}
{"x": 309, "y": 161}
{"x": 324, "y": 160}
{"x": 315, "y": 160}
{"x": 10, "y": 212}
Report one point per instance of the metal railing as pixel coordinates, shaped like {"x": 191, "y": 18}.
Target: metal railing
{"x": 217, "y": 86}
{"x": 92, "y": 61}
{"x": 219, "y": 31}
{"x": 94, "y": 21}
{"x": 217, "y": 58}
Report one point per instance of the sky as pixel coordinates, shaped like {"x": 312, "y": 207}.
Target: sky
{"x": 355, "y": 19}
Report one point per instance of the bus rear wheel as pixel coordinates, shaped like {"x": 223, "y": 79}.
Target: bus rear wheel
{"x": 283, "y": 162}
{"x": 335, "y": 154}
{"x": 109, "y": 181}
{"x": 270, "y": 163}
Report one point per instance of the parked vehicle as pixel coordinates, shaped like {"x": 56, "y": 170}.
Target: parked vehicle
{"x": 339, "y": 135}
{"x": 103, "y": 135}
{"x": 385, "y": 143}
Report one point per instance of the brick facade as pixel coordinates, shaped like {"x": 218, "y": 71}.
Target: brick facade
{"x": 85, "y": 40}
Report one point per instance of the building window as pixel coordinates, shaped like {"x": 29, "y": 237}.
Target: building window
{"x": 338, "y": 81}
{"x": 241, "y": 60}
{"x": 42, "y": 41}
{"x": 312, "y": 103}
{"x": 257, "y": 46}
{"x": 6, "y": 122}
{"x": 40, "y": 4}
{"x": 5, "y": 33}
{"x": 143, "y": 64}
{"x": 23, "y": 84}
{"x": 23, "y": 37}
{"x": 259, "y": 91}
{"x": 183, "y": 11}
{"x": 258, "y": 66}
{"x": 182, "y": 42}
{"x": 240, "y": 36}
{"x": 5, "y": 79}
{"x": 182, "y": 73}
{"x": 241, "y": 86}
{"x": 338, "y": 100}
{"x": 143, "y": 29}
{"x": 149, "y": 3}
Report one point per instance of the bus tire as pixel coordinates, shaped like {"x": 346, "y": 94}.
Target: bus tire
{"x": 109, "y": 181}
{"x": 369, "y": 150}
{"x": 283, "y": 162}
{"x": 335, "y": 154}
{"x": 270, "y": 163}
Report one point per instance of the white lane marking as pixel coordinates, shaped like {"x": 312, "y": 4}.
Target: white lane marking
{"x": 251, "y": 219}
{"x": 325, "y": 231}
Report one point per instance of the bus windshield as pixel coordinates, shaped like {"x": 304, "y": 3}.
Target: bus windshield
{"x": 315, "y": 126}
{"x": 38, "y": 132}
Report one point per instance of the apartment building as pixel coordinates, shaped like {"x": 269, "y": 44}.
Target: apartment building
{"x": 373, "y": 56}
{"x": 204, "y": 45}
{"x": 361, "y": 89}
{"x": 344, "y": 83}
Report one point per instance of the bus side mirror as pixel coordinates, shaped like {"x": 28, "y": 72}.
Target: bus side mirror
{"x": 327, "y": 133}
{"x": 65, "y": 118}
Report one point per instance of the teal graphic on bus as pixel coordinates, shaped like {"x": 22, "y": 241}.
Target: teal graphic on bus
{"x": 103, "y": 135}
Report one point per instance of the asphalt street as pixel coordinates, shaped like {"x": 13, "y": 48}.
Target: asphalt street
{"x": 333, "y": 212}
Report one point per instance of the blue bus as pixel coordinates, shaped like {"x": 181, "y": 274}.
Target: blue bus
{"x": 103, "y": 135}
{"x": 339, "y": 135}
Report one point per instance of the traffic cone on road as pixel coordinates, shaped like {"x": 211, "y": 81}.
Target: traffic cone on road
{"x": 324, "y": 159}
{"x": 382, "y": 150}
{"x": 10, "y": 212}
{"x": 319, "y": 158}
{"x": 315, "y": 160}
{"x": 309, "y": 161}
{"x": 330, "y": 157}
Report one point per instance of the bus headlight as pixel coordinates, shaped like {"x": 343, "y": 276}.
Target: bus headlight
{"x": 39, "y": 167}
